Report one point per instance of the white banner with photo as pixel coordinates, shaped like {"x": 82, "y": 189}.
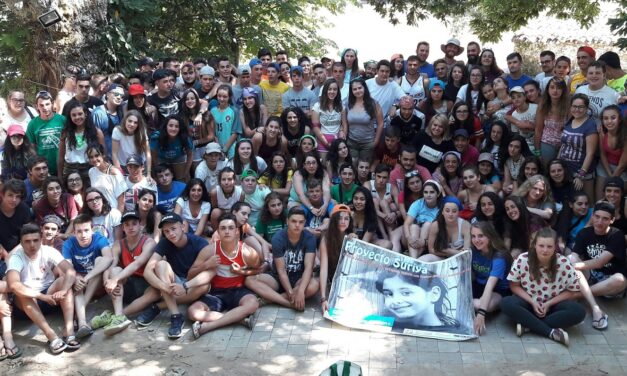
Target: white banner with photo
{"x": 383, "y": 291}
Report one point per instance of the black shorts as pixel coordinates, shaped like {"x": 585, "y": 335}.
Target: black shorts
{"x": 134, "y": 288}
{"x": 477, "y": 290}
{"x": 44, "y": 307}
{"x": 221, "y": 300}
{"x": 293, "y": 278}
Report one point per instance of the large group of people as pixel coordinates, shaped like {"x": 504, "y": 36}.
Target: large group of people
{"x": 224, "y": 187}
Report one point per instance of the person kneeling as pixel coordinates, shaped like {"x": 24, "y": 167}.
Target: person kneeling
{"x": 294, "y": 252}
{"x": 236, "y": 260}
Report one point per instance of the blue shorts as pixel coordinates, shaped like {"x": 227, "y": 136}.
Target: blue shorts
{"x": 220, "y": 300}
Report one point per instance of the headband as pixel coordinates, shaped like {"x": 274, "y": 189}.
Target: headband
{"x": 452, "y": 200}
{"x": 436, "y": 184}
{"x": 308, "y": 136}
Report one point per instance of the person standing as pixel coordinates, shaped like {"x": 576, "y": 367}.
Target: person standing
{"x": 44, "y": 131}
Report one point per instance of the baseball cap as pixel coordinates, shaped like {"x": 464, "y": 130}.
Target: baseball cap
{"x": 130, "y": 215}
{"x": 244, "y": 69}
{"x": 113, "y": 87}
{"x": 517, "y": 89}
{"x": 249, "y": 172}
{"x": 461, "y": 132}
{"x": 170, "y": 218}
{"x": 486, "y": 157}
{"x": 249, "y": 92}
{"x": 134, "y": 159}
{"x": 15, "y": 129}
{"x": 614, "y": 181}
{"x": 605, "y": 206}
{"x": 213, "y": 147}
{"x": 51, "y": 218}
{"x": 341, "y": 208}
{"x": 207, "y": 71}
{"x": 136, "y": 89}
{"x": 434, "y": 82}
{"x": 254, "y": 62}
{"x": 589, "y": 50}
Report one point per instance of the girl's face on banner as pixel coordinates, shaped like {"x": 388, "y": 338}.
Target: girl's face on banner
{"x": 405, "y": 300}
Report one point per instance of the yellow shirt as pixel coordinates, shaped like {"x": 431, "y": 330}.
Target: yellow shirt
{"x": 273, "y": 95}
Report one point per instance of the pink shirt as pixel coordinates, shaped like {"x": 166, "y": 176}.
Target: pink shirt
{"x": 398, "y": 175}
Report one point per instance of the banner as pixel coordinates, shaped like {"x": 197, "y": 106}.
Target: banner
{"x": 383, "y": 291}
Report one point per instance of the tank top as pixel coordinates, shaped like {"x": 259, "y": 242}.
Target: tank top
{"x": 225, "y": 278}
{"x": 226, "y": 203}
{"x": 360, "y": 126}
{"x": 552, "y": 133}
{"x": 613, "y": 155}
{"x": 415, "y": 90}
{"x": 128, "y": 256}
{"x": 459, "y": 242}
{"x": 388, "y": 191}
{"x": 266, "y": 151}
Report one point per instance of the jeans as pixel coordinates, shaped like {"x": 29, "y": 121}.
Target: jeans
{"x": 562, "y": 315}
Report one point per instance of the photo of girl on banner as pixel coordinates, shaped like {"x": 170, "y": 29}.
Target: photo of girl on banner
{"x": 380, "y": 290}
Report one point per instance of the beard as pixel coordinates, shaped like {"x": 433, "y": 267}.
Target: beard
{"x": 473, "y": 60}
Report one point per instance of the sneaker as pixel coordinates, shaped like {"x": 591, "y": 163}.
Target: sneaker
{"x": 148, "y": 316}
{"x": 117, "y": 324}
{"x": 176, "y": 326}
{"x": 560, "y": 335}
{"x": 251, "y": 320}
{"x": 101, "y": 320}
{"x": 520, "y": 330}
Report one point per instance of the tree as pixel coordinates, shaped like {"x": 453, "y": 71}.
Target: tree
{"x": 489, "y": 19}
{"x": 618, "y": 24}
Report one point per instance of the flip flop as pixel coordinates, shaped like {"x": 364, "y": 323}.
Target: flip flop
{"x": 72, "y": 343}
{"x": 57, "y": 346}
{"x": 600, "y": 324}
{"x": 84, "y": 331}
{"x": 196, "y": 329}
{"x": 16, "y": 352}
{"x": 5, "y": 355}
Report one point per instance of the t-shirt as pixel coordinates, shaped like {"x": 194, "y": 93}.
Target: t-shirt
{"x": 573, "y": 149}
{"x": 330, "y": 121}
{"x": 618, "y": 84}
{"x": 33, "y": 194}
{"x": 91, "y": 104}
{"x": 398, "y": 175}
{"x": 106, "y": 122}
{"x": 46, "y": 134}
{"x": 105, "y": 224}
{"x": 529, "y": 115}
{"x": 166, "y": 200}
{"x": 272, "y": 96}
{"x": 132, "y": 192}
{"x": 267, "y": 230}
{"x": 599, "y": 99}
{"x": 304, "y": 99}
{"x": 127, "y": 145}
{"x": 226, "y": 123}
{"x": 589, "y": 245}
{"x": 66, "y": 210}
{"x": 471, "y": 156}
{"x": 430, "y": 153}
{"x": 167, "y": 106}
{"x": 484, "y": 268}
{"x": 38, "y": 273}
{"x": 10, "y": 226}
{"x": 83, "y": 258}
{"x": 544, "y": 289}
{"x": 511, "y": 82}
{"x": 313, "y": 221}
{"x": 256, "y": 201}
{"x": 427, "y": 70}
{"x": 421, "y": 212}
{"x": 409, "y": 128}
{"x": 111, "y": 186}
{"x": 346, "y": 196}
{"x": 181, "y": 259}
{"x": 386, "y": 95}
{"x": 186, "y": 214}
{"x": 174, "y": 150}
{"x": 210, "y": 177}
{"x": 293, "y": 254}
{"x": 385, "y": 156}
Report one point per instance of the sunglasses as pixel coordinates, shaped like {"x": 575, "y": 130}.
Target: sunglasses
{"x": 43, "y": 94}
{"x": 411, "y": 174}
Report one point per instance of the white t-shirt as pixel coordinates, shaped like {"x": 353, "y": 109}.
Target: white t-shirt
{"x": 330, "y": 121}
{"x": 386, "y": 95}
{"x": 38, "y": 273}
{"x": 111, "y": 186}
{"x": 461, "y": 95}
{"x": 132, "y": 191}
{"x": 261, "y": 165}
{"x": 529, "y": 115}
{"x": 599, "y": 99}
{"x": 210, "y": 177}
{"x": 105, "y": 224}
{"x": 78, "y": 154}
{"x": 127, "y": 145}
{"x": 186, "y": 214}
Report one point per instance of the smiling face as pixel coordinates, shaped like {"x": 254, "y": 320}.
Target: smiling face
{"x": 131, "y": 124}
{"x": 357, "y": 89}
{"x": 172, "y": 128}
{"x": 54, "y": 192}
{"x": 462, "y": 113}
{"x": 348, "y": 176}
{"x": 470, "y": 179}
{"x": 512, "y": 210}
{"x": 405, "y": 300}
{"x": 190, "y": 100}
{"x": 595, "y": 77}
{"x": 580, "y": 206}
{"x": 487, "y": 206}
{"x": 74, "y": 182}
{"x": 478, "y": 239}
{"x": 195, "y": 193}
{"x": 359, "y": 201}
{"x": 611, "y": 120}
{"x": 556, "y": 172}
{"x": 245, "y": 151}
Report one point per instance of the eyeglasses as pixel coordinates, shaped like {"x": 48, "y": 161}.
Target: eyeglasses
{"x": 17, "y": 100}
{"x": 116, "y": 94}
{"x": 74, "y": 180}
{"x": 92, "y": 200}
{"x": 461, "y": 111}
{"x": 43, "y": 94}
{"x": 575, "y": 107}
{"x": 311, "y": 163}
{"x": 476, "y": 75}
{"x": 411, "y": 174}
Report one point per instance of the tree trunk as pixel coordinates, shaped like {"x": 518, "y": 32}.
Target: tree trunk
{"x": 73, "y": 41}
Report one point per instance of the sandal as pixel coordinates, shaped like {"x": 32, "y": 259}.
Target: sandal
{"x": 72, "y": 343}
{"x": 16, "y": 352}
{"x": 600, "y": 324}
{"x": 3, "y": 350}
{"x": 57, "y": 346}
{"x": 84, "y": 331}
{"x": 196, "y": 329}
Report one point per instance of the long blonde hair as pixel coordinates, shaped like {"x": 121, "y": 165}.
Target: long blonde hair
{"x": 526, "y": 186}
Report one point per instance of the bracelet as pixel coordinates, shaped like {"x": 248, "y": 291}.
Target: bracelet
{"x": 323, "y": 299}
{"x": 481, "y": 312}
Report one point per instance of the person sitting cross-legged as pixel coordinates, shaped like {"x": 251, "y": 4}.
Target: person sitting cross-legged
{"x": 41, "y": 281}
{"x": 235, "y": 260}
{"x": 90, "y": 255}
{"x": 124, "y": 280}
{"x": 169, "y": 271}
{"x": 294, "y": 252}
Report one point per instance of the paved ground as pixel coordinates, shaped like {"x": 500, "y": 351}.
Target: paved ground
{"x": 288, "y": 343}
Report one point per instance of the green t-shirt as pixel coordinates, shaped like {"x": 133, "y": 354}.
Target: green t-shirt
{"x": 267, "y": 230}
{"x": 46, "y": 134}
{"x": 347, "y": 195}
{"x": 618, "y": 84}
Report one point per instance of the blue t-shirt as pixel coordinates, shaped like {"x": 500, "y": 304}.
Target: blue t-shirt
{"x": 484, "y": 268}
{"x": 422, "y": 212}
{"x": 314, "y": 222}
{"x": 427, "y": 69}
{"x": 83, "y": 258}
{"x": 173, "y": 151}
{"x": 181, "y": 259}
{"x": 166, "y": 200}
{"x": 519, "y": 82}
{"x": 226, "y": 123}
{"x": 293, "y": 254}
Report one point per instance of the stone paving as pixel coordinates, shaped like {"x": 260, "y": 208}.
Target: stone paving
{"x": 285, "y": 342}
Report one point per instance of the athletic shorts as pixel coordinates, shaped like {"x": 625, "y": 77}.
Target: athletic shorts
{"x": 220, "y": 300}
{"x": 134, "y": 288}
{"x": 293, "y": 278}
{"x": 44, "y": 307}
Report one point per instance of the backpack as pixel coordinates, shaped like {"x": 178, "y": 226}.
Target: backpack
{"x": 342, "y": 368}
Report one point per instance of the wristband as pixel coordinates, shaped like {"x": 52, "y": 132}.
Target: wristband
{"x": 481, "y": 312}
{"x": 185, "y": 287}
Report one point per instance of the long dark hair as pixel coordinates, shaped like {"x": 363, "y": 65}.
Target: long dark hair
{"x": 622, "y": 125}
{"x": 334, "y": 239}
{"x": 369, "y": 104}
{"x": 355, "y": 67}
{"x": 324, "y": 99}
{"x": 319, "y": 174}
{"x": 303, "y": 121}
{"x": 140, "y": 137}
{"x": 408, "y": 195}
{"x": 534, "y": 264}
{"x": 518, "y": 231}
{"x": 370, "y": 214}
{"x": 480, "y": 97}
{"x": 238, "y": 166}
{"x": 190, "y": 185}
{"x": 187, "y": 115}
{"x": 464, "y": 79}
{"x": 18, "y": 157}
{"x": 489, "y": 143}
{"x": 182, "y": 136}
{"x": 272, "y": 174}
{"x": 150, "y": 217}
{"x": 524, "y": 149}
{"x": 528, "y": 160}
{"x": 333, "y": 157}
{"x": 563, "y": 103}
{"x": 496, "y": 247}
{"x": 69, "y": 130}
{"x": 468, "y": 124}
{"x": 253, "y": 119}
{"x": 106, "y": 208}
{"x": 264, "y": 216}
{"x": 498, "y": 220}
{"x": 441, "y": 239}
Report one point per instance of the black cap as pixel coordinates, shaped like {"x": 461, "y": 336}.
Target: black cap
{"x": 161, "y": 73}
{"x": 146, "y": 61}
{"x": 616, "y": 182}
{"x": 170, "y": 218}
{"x": 130, "y": 215}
